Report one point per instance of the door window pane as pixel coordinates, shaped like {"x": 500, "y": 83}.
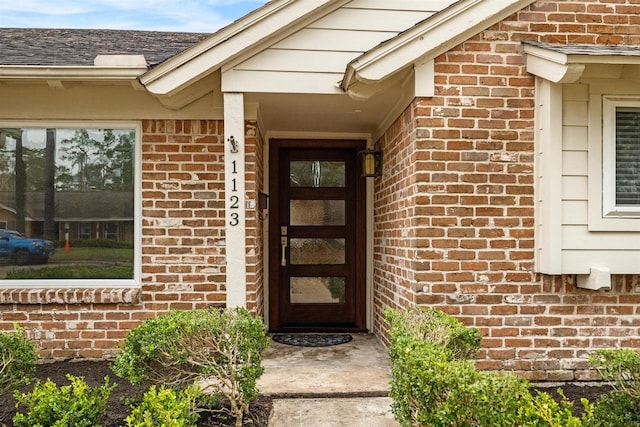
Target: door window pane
{"x": 317, "y": 174}
{"x": 317, "y": 212}
{"x": 317, "y": 290}
{"x": 317, "y": 251}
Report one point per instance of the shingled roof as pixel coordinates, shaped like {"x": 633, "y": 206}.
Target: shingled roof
{"x": 74, "y": 47}
{"x": 588, "y": 49}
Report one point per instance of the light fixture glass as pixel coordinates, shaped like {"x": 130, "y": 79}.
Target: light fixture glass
{"x": 371, "y": 163}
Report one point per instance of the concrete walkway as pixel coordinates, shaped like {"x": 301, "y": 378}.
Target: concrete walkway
{"x": 344, "y": 385}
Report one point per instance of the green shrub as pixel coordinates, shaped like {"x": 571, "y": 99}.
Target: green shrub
{"x": 74, "y": 271}
{"x": 430, "y": 389}
{"x": 165, "y": 408}
{"x": 95, "y": 243}
{"x": 617, "y": 409}
{"x": 18, "y": 358}
{"x": 620, "y": 367}
{"x": 436, "y": 327}
{"x": 542, "y": 410}
{"x": 73, "y": 405}
{"x": 434, "y": 383}
{"x": 219, "y": 348}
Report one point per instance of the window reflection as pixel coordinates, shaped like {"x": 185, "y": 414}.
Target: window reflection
{"x": 317, "y": 251}
{"x": 317, "y": 212}
{"x": 317, "y": 174}
{"x": 317, "y": 290}
{"x": 75, "y": 189}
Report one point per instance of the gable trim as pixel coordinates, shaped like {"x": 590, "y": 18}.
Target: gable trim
{"x": 434, "y": 36}
{"x": 230, "y": 42}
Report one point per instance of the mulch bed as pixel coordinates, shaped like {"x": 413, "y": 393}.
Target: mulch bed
{"x": 117, "y": 408}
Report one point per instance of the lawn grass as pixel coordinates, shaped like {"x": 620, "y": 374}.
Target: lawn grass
{"x": 83, "y": 271}
{"x": 81, "y": 263}
{"x": 109, "y": 255}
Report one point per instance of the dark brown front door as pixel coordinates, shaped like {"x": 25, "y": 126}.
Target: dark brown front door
{"x": 316, "y": 236}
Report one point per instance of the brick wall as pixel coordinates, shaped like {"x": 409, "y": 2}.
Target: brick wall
{"x": 254, "y": 219}
{"x": 459, "y": 167}
{"x": 183, "y": 259}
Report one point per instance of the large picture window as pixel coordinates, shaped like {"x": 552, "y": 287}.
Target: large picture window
{"x": 67, "y": 203}
{"x": 621, "y": 157}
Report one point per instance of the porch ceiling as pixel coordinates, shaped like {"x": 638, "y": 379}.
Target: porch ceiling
{"x": 324, "y": 113}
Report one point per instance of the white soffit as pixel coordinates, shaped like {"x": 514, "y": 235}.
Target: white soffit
{"x": 567, "y": 63}
{"x": 209, "y": 55}
{"x": 436, "y": 35}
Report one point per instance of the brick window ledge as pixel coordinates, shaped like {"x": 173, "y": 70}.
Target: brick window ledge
{"x": 130, "y": 296}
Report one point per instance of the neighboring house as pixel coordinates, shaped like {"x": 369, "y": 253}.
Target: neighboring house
{"x": 82, "y": 215}
{"x": 509, "y": 193}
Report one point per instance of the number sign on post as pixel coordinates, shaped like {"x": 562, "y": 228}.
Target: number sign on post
{"x": 234, "y": 186}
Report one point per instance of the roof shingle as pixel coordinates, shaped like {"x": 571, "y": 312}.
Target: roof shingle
{"x": 79, "y": 47}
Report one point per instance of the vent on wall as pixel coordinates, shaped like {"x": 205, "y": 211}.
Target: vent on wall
{"x": 599, "y": 278}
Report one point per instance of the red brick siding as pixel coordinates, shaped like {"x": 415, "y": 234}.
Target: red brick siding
{"x": 254, "y": 219}
{"x": 459, "y": 170}
{"x": 183, "y": 259}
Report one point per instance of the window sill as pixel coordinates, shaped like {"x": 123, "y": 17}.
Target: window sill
{"x": 129, "y": 296}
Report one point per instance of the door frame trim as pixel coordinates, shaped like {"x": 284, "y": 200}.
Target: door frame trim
{"x": 363, "y": 288}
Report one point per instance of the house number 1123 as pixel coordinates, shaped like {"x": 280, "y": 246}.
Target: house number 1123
{"x": 234, "y": 200}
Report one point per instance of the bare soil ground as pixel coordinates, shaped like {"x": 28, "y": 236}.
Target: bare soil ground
{"x": 117, "y": 408}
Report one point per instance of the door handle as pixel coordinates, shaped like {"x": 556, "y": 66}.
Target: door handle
{"x": 283, "y": 244}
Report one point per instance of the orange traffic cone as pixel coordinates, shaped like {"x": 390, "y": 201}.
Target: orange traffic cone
{"x": 67, "y": 248}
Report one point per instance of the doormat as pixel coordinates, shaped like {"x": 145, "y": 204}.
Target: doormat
{"x": 312, "y": 340}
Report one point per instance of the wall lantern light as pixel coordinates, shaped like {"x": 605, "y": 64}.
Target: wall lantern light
{"x": 371, "y": 161}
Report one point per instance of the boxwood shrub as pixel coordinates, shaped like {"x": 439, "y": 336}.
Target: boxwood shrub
{"x": 18, "y": 358}
{"x": 435, "y": 384}
{"x": 218, "y": 349}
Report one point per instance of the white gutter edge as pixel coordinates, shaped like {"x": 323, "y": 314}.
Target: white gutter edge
{"x": 361, "y": 69}
{"x": 90, "y": 73}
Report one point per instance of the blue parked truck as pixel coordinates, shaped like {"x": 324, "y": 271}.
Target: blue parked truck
{"x": 22, "y": 250}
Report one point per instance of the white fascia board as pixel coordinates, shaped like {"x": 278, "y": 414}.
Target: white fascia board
{"x": 553, "y": 66}
{"x": 210, "y": 54}
{"x": 559, "y": 67}
{"x": 65, "y": 73}
{"x": 436, "y": 35}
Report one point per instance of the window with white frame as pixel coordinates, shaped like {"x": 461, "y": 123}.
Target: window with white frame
{"x": 621, "y": 157}
{"x": 55, "y": 182}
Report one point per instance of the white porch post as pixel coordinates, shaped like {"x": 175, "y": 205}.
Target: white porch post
{"x": 234, "y": 190}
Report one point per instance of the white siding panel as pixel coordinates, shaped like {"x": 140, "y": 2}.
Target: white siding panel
{"x": 579, "y": 237}
{"x": 575, "y": 163}
{"x": 575, "y": 212}
{"x": 315, "y": 39}
{"x": 575, "y": 138}
{"x": 370, "y": 20}
{"x": 281, "y": 82}
{"x": 416, "y": 5}
{"x": 619, "y": 262}
{"x": 300, "y": 61}
{"x": 575, "y": 92}
{"x": 575, "y": 113}
{"x": 574, "y": 188}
